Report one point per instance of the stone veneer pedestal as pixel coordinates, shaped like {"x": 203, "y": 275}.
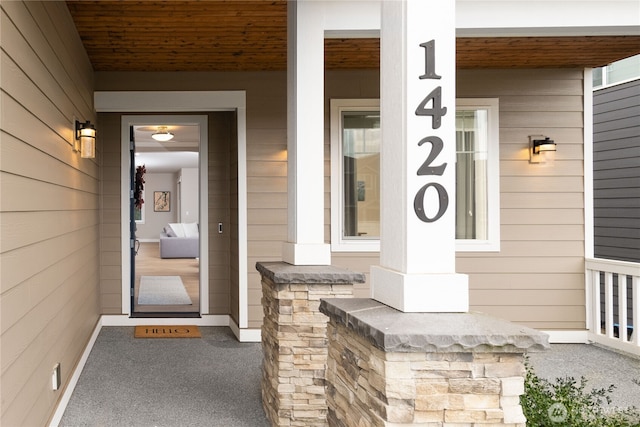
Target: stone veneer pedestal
{"x": 294, "y": 339}
{"x": 389, "y": 368}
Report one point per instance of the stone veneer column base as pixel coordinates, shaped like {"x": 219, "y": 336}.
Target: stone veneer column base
{"x": 389, "y": 368}
{"x": 294, "y": 339}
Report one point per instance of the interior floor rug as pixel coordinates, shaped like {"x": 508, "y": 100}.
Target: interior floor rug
{"x": 162, "y": 290}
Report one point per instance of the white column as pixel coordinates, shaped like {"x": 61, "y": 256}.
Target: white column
{"x": 417, "y": 242}
{"x": 305, "y": 135}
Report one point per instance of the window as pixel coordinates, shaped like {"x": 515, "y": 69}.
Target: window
{"x": 477, "y": 175}
{"x": 355, "y": 175}
{"x": 618, "y": 72}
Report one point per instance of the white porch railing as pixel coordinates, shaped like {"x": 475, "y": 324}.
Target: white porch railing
{"x": 613, "y": 303}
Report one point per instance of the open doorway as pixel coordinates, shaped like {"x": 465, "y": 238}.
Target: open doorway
{"x": 224, "y": 296}
{"x": 166, "y": 205}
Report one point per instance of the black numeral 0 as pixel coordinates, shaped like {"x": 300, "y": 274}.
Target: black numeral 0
{"x": 418, "y": 202}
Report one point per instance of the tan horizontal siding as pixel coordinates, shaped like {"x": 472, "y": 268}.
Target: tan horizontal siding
{"x": 542, "y": 207}
{"x": 49, "y": 217}
{"x": 541, "y": 261}
{"x": 521, "y": 280}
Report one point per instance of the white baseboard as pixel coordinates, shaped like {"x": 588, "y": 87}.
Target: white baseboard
{"x": 205, "y": 320}
{"x": 73, "y": 380}
{"x": 568, "y": 337}
{"x": 149, "y": 240}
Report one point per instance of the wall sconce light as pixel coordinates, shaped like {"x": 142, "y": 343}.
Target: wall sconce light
{"x": 86, "y": 138}
{"x": 540, "y": 148}
{"x": 162, "y": 135}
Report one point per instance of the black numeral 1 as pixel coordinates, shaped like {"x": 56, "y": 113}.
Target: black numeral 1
{"x": 429, "y": 60}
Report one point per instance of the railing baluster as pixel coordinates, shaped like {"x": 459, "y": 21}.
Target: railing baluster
{"x": 608, "y": 303}
{"x": 622, "y": 307}
{"x": 597, "y": 315}
{"x": 635, "y": 291}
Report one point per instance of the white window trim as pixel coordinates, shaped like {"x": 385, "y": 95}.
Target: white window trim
{"x": 492, "y": 244}
{"x": 338, "y": 244}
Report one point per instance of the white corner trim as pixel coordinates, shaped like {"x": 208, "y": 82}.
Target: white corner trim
{"x": 568, "y": 337}
{"x": 245, "y": 335}
{"x": 75, "y": 376}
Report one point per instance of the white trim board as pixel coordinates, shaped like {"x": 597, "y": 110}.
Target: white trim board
{"x": 125, "y": 320}
{"x": 132, "y": 102}
{"x": 567, "y": 337}
{"x": 75, "y": 376}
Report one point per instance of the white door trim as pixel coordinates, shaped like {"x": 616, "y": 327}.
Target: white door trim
{"x": 171, "y": 102}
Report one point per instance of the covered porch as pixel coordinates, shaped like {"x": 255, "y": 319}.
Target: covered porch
{"x": 220, "y": 386}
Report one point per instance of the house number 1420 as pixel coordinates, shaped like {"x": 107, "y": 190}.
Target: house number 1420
{"x": 436, "y": 111}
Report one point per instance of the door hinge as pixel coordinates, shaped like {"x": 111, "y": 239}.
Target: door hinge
{"x": 131, "y": 243}
{"x": 131, "y": 292}
{"x": 131, "y": 194}
{"x": 131, "y": 146}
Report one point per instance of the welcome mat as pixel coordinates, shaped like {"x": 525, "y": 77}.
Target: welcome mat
{"x": 162, "y": 290}
{"x": 173, "y": 331}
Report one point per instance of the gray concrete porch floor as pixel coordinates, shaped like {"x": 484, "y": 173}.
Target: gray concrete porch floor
{"x": 215, "y": 381}
{"x": 600, "y": 366}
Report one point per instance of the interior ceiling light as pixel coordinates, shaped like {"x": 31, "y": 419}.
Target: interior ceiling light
{"x": 162, "y": 134}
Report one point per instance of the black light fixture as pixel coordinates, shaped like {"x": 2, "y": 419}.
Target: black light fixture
{"x": 539, "y": 145}
{"x": 545, "y": 144}
{"x": 86, "y": 137}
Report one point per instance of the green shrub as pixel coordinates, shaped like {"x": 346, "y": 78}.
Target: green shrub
{"x": 567, "y": 403}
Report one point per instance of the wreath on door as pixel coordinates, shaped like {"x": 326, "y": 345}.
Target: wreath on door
{"x": 139, "y": 186}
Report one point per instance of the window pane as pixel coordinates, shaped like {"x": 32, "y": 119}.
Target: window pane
{"x": 471, "y": 174}
{"x": 597, "y": 77}
{"x": 361, "y": 174}
{"x": 624, "y": 69}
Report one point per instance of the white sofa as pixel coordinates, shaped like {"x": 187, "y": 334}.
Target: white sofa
{"x": 180, "y": 240}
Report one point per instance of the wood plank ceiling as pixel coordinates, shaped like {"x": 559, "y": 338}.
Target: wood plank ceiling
{"x": 239, "y": 35}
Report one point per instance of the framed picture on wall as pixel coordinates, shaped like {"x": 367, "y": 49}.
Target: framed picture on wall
{"x": 161, "y": 201}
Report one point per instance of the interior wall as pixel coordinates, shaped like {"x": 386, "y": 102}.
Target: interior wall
{"x": 154, "y": 222}
{"x": 49, "y": 221}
